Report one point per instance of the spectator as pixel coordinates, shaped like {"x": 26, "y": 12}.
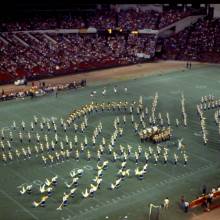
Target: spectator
{"x": 166, "y": 203}
{"x": 204, "y": 189}
{"x": 213, "y": 190}
{"x": 186, "y": 206}
{"x": 209, "y": 199}
{"x": 182, "y": 202}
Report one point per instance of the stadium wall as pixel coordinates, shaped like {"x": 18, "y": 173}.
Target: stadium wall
{"x": 216, "y": 10}
{"x": 182, "y": 24}
{"x": 179, "y": 25}
{"x": 143, "y": 7}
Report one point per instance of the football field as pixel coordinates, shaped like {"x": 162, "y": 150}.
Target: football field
{"x": 132, "y": 198}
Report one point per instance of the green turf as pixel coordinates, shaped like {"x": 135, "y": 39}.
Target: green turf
{"x": 133, "y": 197}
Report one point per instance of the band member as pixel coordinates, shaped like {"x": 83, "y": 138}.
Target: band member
{"x": 42, "y": 202}
{"x": 146, "y": 155}
{"x": 64, "y": 202}
{"x": 136, "y": 157}
{"x": 185, "y": 159}
{"x": 175, "y": 158}
{"x": 88, "y": 155}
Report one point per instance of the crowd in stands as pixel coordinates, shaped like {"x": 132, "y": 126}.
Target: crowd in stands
{"x": 199, "y": 42}
{"x": 102, "y": 19}
{"x": 38, "y": 22}
{"x": 35, "y": 55}
{"x": 147, "y": 19}
{"x": 131, "y": 19}
{"x": 24, "y": 54}
{"x": 172, "y": 16}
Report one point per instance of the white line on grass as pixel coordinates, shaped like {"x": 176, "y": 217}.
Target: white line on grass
{"x": 201, "y": 158}
{"x": 18, "y": 204}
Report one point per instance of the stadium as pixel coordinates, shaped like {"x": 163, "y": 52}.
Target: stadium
{"x": 110, "y": 111}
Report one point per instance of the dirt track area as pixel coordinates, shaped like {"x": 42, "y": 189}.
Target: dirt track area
{"x": 119, "y": 73}
{"x": 213, "y": 215}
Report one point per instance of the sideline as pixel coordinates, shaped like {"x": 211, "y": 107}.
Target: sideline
{"x": 18, "y": 204}
{"x": 114, "y": 73}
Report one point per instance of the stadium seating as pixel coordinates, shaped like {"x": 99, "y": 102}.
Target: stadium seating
{"x": 200, "y": 42}
{"x": 101, "y": 19}
{"x": 36, "y": 54}
{"x": 52, "y": 54}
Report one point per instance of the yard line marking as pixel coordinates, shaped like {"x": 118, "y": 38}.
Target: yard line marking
{"x": 201, "y": 158}
{"x": 201, "y": 86}
{"x": 161, "y": 171}
{"x": 6, "y": 129}
{"x": 18, "y": 204}
{"x": 59, "y": 176}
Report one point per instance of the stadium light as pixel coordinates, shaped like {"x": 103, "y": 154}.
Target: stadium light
{"x": 134, "y": 32}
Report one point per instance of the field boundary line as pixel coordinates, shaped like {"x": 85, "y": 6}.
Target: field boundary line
{"x": 18, "y": 204}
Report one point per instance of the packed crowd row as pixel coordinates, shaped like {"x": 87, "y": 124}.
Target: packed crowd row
{"x": 133, "y": 20}
{"x": 52, "y": 54}
{"x": 199, "y": 42}
{"x": 36, "y": 55}
{"x": 40, "y": 90}
{"x": 130, "y": 19}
